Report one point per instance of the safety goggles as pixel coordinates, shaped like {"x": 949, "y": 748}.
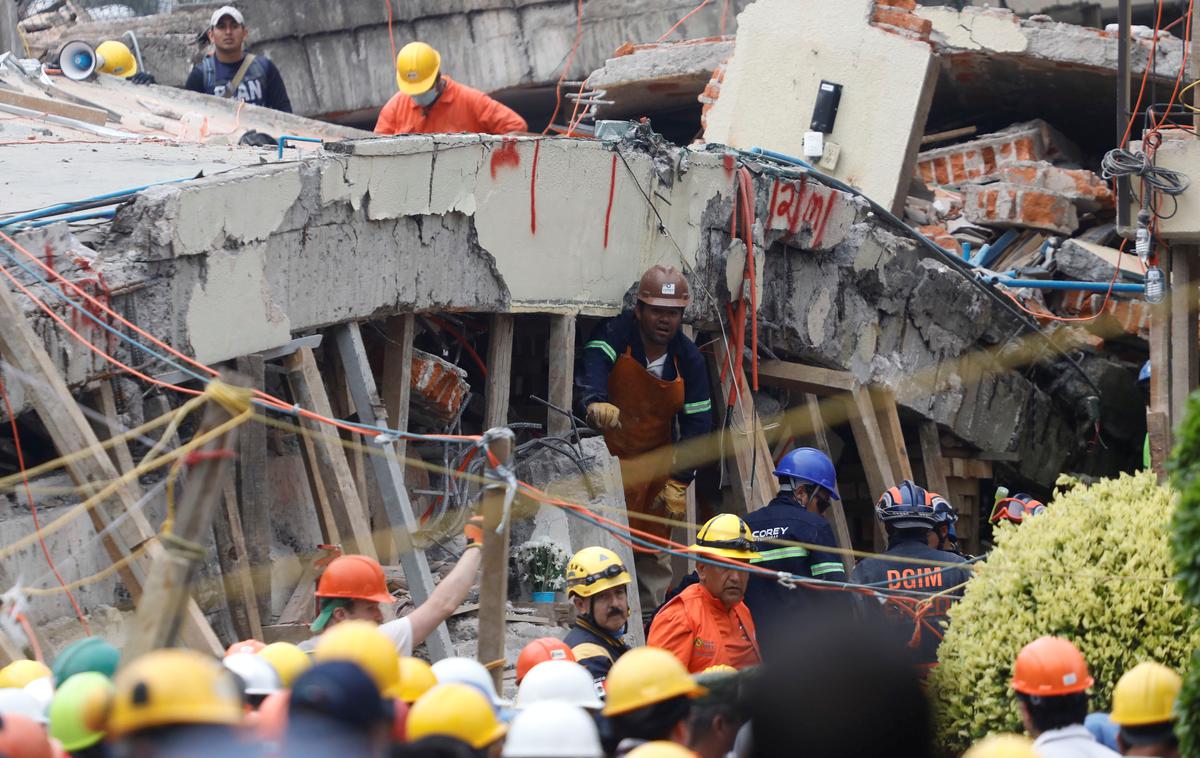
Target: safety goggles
{"x": 611, "y": 572}
{"x": 741, "y": 543}
{"x": 1016, "y": 510}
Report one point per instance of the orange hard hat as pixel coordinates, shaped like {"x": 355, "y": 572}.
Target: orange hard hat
{"x": 540, "y": 650}
{"x": 400, "y": 722}
{"x": 22, "y": 737}
{"x": 1050, "y": 666}
{"x": 245, "y": 646}
{"x": 355, "y": 577}
{"x": 273, "y": 716}
{"x": 664, "y": 286}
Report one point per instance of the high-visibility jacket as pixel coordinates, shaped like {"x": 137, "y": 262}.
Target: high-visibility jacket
{"x": 594, "y": 649}
{"x": 700, "y": 631}
{"x": 458, "y": 109}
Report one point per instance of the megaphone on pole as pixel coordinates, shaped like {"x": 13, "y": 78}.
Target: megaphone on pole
{"x": 77, "y": 60}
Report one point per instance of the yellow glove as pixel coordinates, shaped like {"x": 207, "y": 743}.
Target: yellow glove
{"x": 673, "y": 497}
{"x": 604, "y": 416}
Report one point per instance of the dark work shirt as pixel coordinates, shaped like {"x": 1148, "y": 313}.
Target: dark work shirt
{"x": 262, "y": 84}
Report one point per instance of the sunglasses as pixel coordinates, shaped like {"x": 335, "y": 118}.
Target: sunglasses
{"x": 611, "y": 572}
{"x": 1016, "y": 510}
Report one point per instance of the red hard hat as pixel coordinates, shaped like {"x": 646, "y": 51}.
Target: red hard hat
{"x": 355, "y": 577}
{"x": 244, "y": 646}
{"x": 664, "y": 286}
{"x": 22, "y": 737}
{"x": 540, "y": 650}
{"x": 400, "y": 722}
{"x": 1050, "y": 666}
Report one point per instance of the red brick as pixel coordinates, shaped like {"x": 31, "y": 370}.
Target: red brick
{"x": 940, "y": 236}
{"x": 908, "y": 5}
{"x": 1011, "y": 205}
{"x": 903, "y": 20}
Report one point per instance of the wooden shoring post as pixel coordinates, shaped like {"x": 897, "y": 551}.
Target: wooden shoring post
{"x": 876, "y": 463}
{"x": 236, "y": 566}
{"x": 70, "y": 432}
{"x": 389, "y": 476}
{"x": 499, "y": 366}
{"x": 931, "y": 456}
{"x": 104, "y": 402}
{"x": 836, "y": 514}
{"x": 887, "y": 417}
{"x": 347, "y": 517}
{"x": 493, "y": 584}
{"x": 752, "y": 453}
{"x": 562, "y": 372}
{"x": 397, "y": 373}
{"x": 160, "y": 610}
{"x": 253, "y": 498}
{"x": 1185, "y": 335}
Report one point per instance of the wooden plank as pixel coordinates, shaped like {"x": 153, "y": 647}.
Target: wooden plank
{"x": 887, "y": 417}
{"x": 70, "y": 432}
{"x": 252, "y": 494}
{"x": 803, "y": 378}
{"x": 54, "y": 107}
{"x": 330, "y": 470}
{"x": 1160, "y": 375}
{"x": 931, "y": 456}
{"x": 389, "y": 475}
{"x": 493, "y": 582}
{"x": 967, "y": 468}
{"x": 397, "y": 373}
{"x": 876, "y": 464}
{"x": 1185, "y": 329}
{"x": 301, "y": 606}
{"x": 235, "y": 565}
{"x": 104, "y": 402}
{"x": 562, "y": 373}
{"x": 836, "y": 513}
{"x": 752, "y": 454}
{"x": 499, "y": 365}
{"x": 330, "y": 534}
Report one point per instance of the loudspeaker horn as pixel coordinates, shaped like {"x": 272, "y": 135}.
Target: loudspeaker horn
{"x": 77, "y": 60}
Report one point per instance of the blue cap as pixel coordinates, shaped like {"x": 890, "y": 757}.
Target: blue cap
{"x": 339, "y": 692}
{"x": 809, "y": 465}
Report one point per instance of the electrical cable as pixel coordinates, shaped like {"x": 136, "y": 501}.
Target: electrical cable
{"x": 678, "y": 23}
{"x": 567, "y": 67}
{"x": 1120, "y": 162}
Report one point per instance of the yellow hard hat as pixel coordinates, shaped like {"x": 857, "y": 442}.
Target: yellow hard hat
{"x": 21, "y": 673}
{"x": 594, "y": 570}
{"x": 288, "y": 660}
{"x": 644, "y": 676}
{"x": 455, "y": 710}
{"x": 726, "y": 535}
{"x": 1002, "y": 746}
{"x": 1145, "y": 695}
{"x": 173, "y": 686}
{"x": 362, "y": 643}
{"x": 660, "y": 749}
{"x": 115, "y": 58}
{"x": 417, "y": 67}
{"x": 416, "y": 678}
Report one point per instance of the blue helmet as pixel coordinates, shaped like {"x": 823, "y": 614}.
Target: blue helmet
{"x": 944, "y": 513}
{"x": 809, "y": 465}
{"x": 907, "y": 506}
{"x": 1144, "y": 374}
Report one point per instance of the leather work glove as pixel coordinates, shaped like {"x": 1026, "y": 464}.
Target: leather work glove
{"x": 673, "y": 497}
{"x": 473, "y": 531}
{"x": 604, "y": 416}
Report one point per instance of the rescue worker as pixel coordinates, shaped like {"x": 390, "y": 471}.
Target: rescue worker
{"x": 907, "y": 513}
{"x": 416, "y": 678}
{"x": 22, "y": 737}
{"x": 708, "y": 624}
{"x": 335, "y": 709}
{"x": 1051, "y": 679}
{"x": 367, "y": 646}
{"x": 1016, "y": 509}
{"x": 230, "y": 72}
{"x": 716, "y": 717}
{"x": 87, "y": 654}
{"x": 288, "y": 660}
{"x": 597, "y": 583}
{"x": 649, "y": 698}
{"x": 429, "y": 102}
{"x": 807, "y": 485}
{"x": 539, "y": 651}
{"x": 560, "y": 682}
{"x": 67, "y": 714}
{"x": 549, "y": 728}
{"x": 353, "y": 587}
{"x": 944, "y": 536}
{"x": 1144, "y": 708}
{"x": 459, "y": 711}
{"x": 256, "y": 675}
{"x": 640, "y": 375}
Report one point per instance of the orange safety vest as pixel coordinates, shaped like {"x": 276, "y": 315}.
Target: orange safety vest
{"x": 710, "y": 628}
{"x": 643, "y": 443}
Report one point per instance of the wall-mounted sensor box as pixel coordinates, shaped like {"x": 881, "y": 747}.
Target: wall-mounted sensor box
{"x": 825, "y": 111}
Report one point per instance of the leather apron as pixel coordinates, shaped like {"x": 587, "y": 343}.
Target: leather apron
{"x": 643, "y": 443}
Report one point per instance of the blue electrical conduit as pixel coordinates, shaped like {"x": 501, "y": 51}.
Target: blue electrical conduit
{"x": 1069, "y": 286}
{"x": 67, "y": 219}
{"x": 290, "y": 138}
{"x": 59, "y": 208}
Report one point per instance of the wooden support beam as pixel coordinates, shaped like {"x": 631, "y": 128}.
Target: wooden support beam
{"x": 338, "y": 496}
{"x": 562, "y": 373}
{"x": 54, "y": 107}
{"x": 803, "y": 378}
{"x": 877, "y": 464}
{"x": 931, "y": 456}
{"x": 1159, "y": 421}
{"x": 70, "y": 432}
{"x": 1185, "y": 329}
{"x": 752, "y": 454}
{"x": 836, "y": 514}
{"x": 236, "y": 568}
{"x": 499, "y": 366}
{"x": 162, "y": 608}
{"x": 397, "y": 373}
{"x": 887, "y": 417}
{"x": 389, "y": 475}
{"x": 252, "y": 493}
{"x": 493, "y": 584}
{"x": 104, "y": 402}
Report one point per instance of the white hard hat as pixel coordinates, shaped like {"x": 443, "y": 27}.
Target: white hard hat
{"x": 552, "y": 730}
{"x": 560, "y": 681}
{"x": 256, "y": 673}
{"x": 17, "y": 700}
{"x": 42, "y": 690}
{"x": 469, "y": 671}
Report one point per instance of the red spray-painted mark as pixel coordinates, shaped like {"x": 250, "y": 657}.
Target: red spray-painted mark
{"x": 48, "y": 255}
{"x": 612, "y": 190}
{"x": 537, "y": 147}
{"x": 505, "y": 155}
{"x": 797, "y": 207}
{"x": 728, "y": 162}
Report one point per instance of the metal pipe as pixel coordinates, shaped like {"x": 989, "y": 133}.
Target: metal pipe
{"x": 67, "y": 219}
{"x": 1068, "y": 286}
{"x": 290, "y": 138}
{"x": 116, "y": 197}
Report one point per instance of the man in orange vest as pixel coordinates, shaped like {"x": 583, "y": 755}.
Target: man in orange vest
{"x": 640, "y": 375}
{"x": 354, "y": 587}
{"x": 429, "y": 102}
{"x": 707, "y": 624}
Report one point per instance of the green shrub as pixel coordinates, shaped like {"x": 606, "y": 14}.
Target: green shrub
{"x": 1095, "y": 568}
{"x": 1185, "y": 548}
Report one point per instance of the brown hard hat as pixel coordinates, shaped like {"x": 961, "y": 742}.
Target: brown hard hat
{"x": 665, "y": 286}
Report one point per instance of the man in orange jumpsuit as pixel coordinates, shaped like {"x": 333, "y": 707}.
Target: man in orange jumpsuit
{"x": 641, "y": 378}
{"x": 708, "y": 624}
{"x": 429, "y": 102}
